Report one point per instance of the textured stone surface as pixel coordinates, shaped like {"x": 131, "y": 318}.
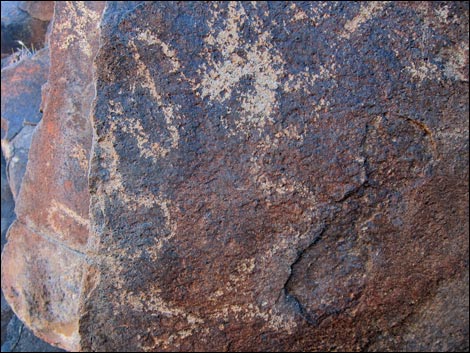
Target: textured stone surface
{"x": 21, "y": 93}
{"x": 7, "y": 202}
{"x": 441, "y": 324}
{"x": 21, "y": 339}
{"x": 279, "y": 176}
{"x": 263, "y": 176}
{"x": 42, "y": 10}
{"x": 8, "y": 215}
{"x": 42, "y": 281}
{"x": 43, "y": 261}
{"x": 20, "y": 112}
{"x": 20, "y": 109}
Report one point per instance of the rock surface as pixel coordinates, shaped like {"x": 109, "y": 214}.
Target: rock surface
{"x": 42, "y": 10}
{"x": 260, "y": 176}
{"x": 43, "y": 261}
{"x": 23, "y": 75}
{"x": 21, "y": 111}
{"x": 24, "y": 22}
{"x": 279, "y": 176}
{"x": 8, "y": 216}
{"x": 21, "y": 339}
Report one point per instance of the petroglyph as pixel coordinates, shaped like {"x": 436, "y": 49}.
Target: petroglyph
{"x": 150, "y": 39}
{"x": 456, "y": 61}
{"x": 368, "y": 10}
{"x": 80, "y": 18}
{"x": 219, "y": 79}
{"x": 132, "y": 200}
{"x": 148, "y": 82}
{"x": 423, "y": 71}
{"x": 240, "y": 141}
{"x": 79, "y": 153}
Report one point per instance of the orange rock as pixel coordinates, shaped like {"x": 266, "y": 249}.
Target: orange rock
{"x": 41, "y": 281}
{"x": 43, "y": 262}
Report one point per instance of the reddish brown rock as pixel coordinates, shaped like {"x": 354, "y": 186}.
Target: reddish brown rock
{"x": 279, "y": 176}
{"x": 264, "y": 176}
{"x": 42, "y": 282}
{"x": 441, "y": 323}
{"x": 20, "y": 112}
{"x": 43, "y": 262}
{"x": 42, "y": 10}
{"x": 65, "y": 133}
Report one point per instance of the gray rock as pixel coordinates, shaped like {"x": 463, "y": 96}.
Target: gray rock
{"x": 21, "y": 112}
{"x": 7, "y": 217}
{"x": 21, "y": 339}
{"x": 18, "y": 25}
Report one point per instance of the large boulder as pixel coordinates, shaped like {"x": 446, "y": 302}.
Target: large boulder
{"x": 260, "y": 176}
{"x": 279, "y": 176}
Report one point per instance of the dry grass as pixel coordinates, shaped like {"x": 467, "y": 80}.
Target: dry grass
{"x": 22, "y": 53}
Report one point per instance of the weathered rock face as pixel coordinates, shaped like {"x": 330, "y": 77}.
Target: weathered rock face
{"x": 263, "y": 176}
{"x": 41, "y": 10}
{"x": 20, "y": 112}
{"x": 278, "y": 176}
{"x": 42, "y": 263}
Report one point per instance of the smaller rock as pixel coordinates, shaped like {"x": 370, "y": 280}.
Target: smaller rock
{"x": 45, "y": 257}
{"x": 21, "y": 93}
{"x": 8, "y": 215}
{"x": 7, "y": 314}
{"x": 8, "y": 204}
{"x": 20, "y": 109}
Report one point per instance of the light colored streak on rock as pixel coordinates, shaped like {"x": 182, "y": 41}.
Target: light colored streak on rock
{"x": 367, "y": 11}
{"x": 148, "y": 82}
